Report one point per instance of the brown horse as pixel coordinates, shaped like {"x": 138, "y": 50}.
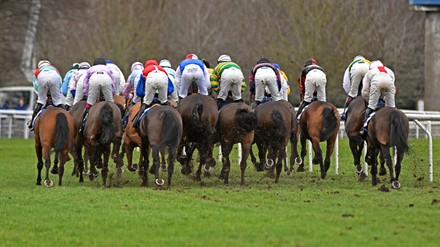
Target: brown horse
{"x": 353, "y": 124}
{"x": 53, "y": 129}
{"x": 199, "y": 115}
{"x": 102, "y": 129}
{"x": 131, "y": 139}
{"x": 236, "y": 124}
{"x": 272, "y": 134}
{"x": 319, "y": 122}
{"x": 389, "y": 127}
{"x": 160, "y": 129}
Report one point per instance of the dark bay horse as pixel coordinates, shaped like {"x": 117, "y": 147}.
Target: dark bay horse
{"x": 389, "y": 127}
{"x": 53, "y": 129}
{"x": 353, "y": 124}
{"x": 199, "y": 115}
{"x": 319, "y": 122}
{"x": 103, "y": 128}
{"x": 272, "y": 134}
{"x": 161, "y": 129}
{"x": 236, "y": 124}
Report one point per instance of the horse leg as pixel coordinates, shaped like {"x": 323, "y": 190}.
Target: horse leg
{"x": 246, "y": 147}
{"x": 116, "y": 158}
{"x": 373, "y": 163}
{"x": 400, "y": 154}
{"x": 38, "y": 150}
{"x": 303, "y": 154}
{"x": 262, "y": 155}
{"x": 55, "y": 162}
{"x": 129, "y": 153}
{"x": 143, "y": 167}
{"x": 63, "y": 159}
{"x": 356, "y": 151}
{"x": 226, "y": 151}
{"x": 387, "y": 158}
{"x": 46, "y": 155}
{"x": 270, "y": 162}
{"x": 172, "y": 153}
{"x": 329, "y": 152}
{"x": 382, "y": 170}
{"x": 156, "y": 164}
{"x": 104, "y": 171}
{"x": 281, "y": 156}
{"x": 318, "y": 157}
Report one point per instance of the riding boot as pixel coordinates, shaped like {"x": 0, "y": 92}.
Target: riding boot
{"x": 220, "y": 103}
{"x": 301, "y": 107}
{"x": 139, "y": 114}
{"x": 166, "y": 103}
{"x": 255, "y": 104}
{"x": 37, "y": 108}
{"x": 239, "y": 101}
{"x": 347, "y": 102}
{"x": 84, "y": 119}
{"x": 67, "y": 107}
{"x": 364, "y": 130}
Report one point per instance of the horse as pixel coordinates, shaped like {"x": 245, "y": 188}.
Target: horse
{"x": 160, "y": 129}
{"x": 389, "y": 127}
{"x": 272, "y": 134}
{"x": 236, "y": 124}
{"x": 353, "y": 124}
{"x": 131, "y": 139}
{"x": 103, "y": 128}
{"x": 319, "y": 122}
{"x": 53, "y": 129}
{"x": 199, "y": 115}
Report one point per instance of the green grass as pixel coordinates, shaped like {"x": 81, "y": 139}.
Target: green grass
{"x": 301, "y": 210}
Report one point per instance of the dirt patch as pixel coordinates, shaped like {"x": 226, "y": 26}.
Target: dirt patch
{"x": 435, "y": 201}
{"x": 384, "y": 188}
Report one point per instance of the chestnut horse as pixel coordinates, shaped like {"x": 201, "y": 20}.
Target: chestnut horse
{"x": 53, "y": 129}
{"x": 319, "y": 122}
{"x": 236, "y": 124}
{"x": 160, "y": 129}
{"x": 102, "y": 129}
{"x": 131, "y": 139}
{"x": 272, "y": 134}
{"x": 199, "y": 115}
{"x": 389, "y": 127}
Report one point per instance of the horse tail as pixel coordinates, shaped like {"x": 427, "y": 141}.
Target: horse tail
{"x": 171, "y": 132}
{"x": 107, "y": 124}
{"x": 277, "y": 118}
{"x": 61, "y": 132}
{"x": 245, "y": 119}
{"x": 329, "y": 123}
{"x": 195, "y": 116}
{"x": 398, "y": 135}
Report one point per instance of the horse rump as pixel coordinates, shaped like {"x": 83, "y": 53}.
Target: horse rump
{"x": 246, "y": 119}
{"x": 329, "y": 123}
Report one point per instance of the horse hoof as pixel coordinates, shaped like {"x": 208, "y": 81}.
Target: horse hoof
{"x": 207, "y": 168}
{"x": 48, "y": 183}
{"x": 159, "y": 182}
{"x": 288, "y": 173}
{"x": 298, "y": 160}
{"x": 300, "y": 169}
{"x": 134, "y": 167}
{"x": 395, "y": 184}
{"x": 164, "y": 167}
{"x": 358, "y": 169}
{"x": 54, "y": 171}
{"x": 382, "y": 172}
{"x": 269, "y": 163}
{"x": 362, "y": 176}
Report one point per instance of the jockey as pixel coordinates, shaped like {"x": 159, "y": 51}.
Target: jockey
{"x": 265, "y": 74}
{"x": 312, "y": 79}
{"x": 227, "y": 77}
{"x": 154, "y": 78}
{"x": 285, "y": 87}
{"x": 46, "y": 78}
{"x": 130, "y": 84}
{"x": 65, "y": 85}
{"x": 378, "y": 81}
{"x": 119, "y": 76}
{"x": 164, "y": 63}
{"x": 76, "y": 84}
{"x": 99, "y": 78}
{"x": 192, "y": 70}
{"x": 352, "y": 81}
